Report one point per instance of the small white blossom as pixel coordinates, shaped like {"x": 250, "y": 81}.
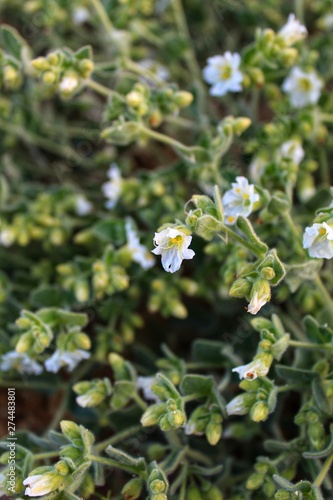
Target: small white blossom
{"x": 173, "y": 245}
{"x": 223, "y": 73}
{"x": 20, "y": 362}
{"x": 83, "y": 206}
{"x": 68, "y": 84}
{"x": 61, "y": 358}
{"x": 80, "y": 15}
{"x": 256, "y": 303}
{"x": 304, "y": 88}
{"x": 112, "y": 188}
{"x": 319, "y": 240}
{"x": 41, "y": 484}
{"x": 239, "y": 200}
{"x": 145, "y": 383}
{"x": 327, "y": 22}
{"x": 292, "y": 150}
{"x": 7, "y": 237}
{"x": 292, "y": 31}
{"x": 139, "y": 252}
{"x": 257, "y": 368}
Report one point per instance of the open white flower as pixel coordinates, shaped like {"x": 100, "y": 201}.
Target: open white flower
{"x": 259, "y": 367}
{"x": 304, "y": 88}
{"x": 139, "y": 252}
{"x": 68, "y": 84}
{"x": 319, "y": 240}
{"x": 83, "y": 206}
{"x": 41, "y": 484}
{"x": 223, "y": 73}
{"x": 112, "y": 188}
{"x": 172, "y": 244}
{"x": 239, "y": 200}
{"x": 20, "y": 362}
{"x": 292, "y": 150}
{"x": 292, "y": 31}
{"x": 7, "y": 237}
{"x": 61, "y": 358}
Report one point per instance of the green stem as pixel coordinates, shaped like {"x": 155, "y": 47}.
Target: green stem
{"x": 102, "y": 14}
{"x": 165, "y": 139}
{"x": 114, "y": 463}
{"x": 120, "y": 436}
{"x": 324, "y": 167}
{"x": 299, "y": 10}
{"x": 140, "y": 402}
{"x": 289, "y": 387}
{"x": 105, "y": 91}
{"x": 45, "y": 456}
{"x": 143, "y": 72}
{"x": 243, "y": 242}
{"x": 326, "y": 467}
{"x": 310, "y": 345}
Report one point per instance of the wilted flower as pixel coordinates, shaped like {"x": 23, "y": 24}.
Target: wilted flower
{"x": 223, "y": 73}
{"x": 319, "y": 240}
{"x": 62, "y": 358}
{"x": 239, "y": 200}
{"x": 82, "y": 205}
{"x": 173, "y": 245}
{"x": 303, "y": 87}
{"x": 259, "y": 367}
{"x": 113, "y": 187}
{"x": 292, "y": 150}
{"x": 139, "y": 252}
{"x": 292, "y": 31}
{"x": 145, "y": 384}
{"x": 260, "y": 295}
{"x": 41, "y": 484}
{"x": 21, "y": 362}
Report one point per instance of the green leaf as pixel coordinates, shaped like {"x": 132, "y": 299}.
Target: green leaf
{"x": 208, "y": 351}
{"x": 110, "y": 230}
{"x": 295, "y": 374}
{"x": 272, "y": 260}
{"x": 197, "y": 384}
{"x": 298, "y": 273}
{"x": 12, "y": 41}
{"x": 84, "y": 53}
{"x": 139, "y": 464}
{"x": 48, "y": 296}
{"x": 246, "y": 227}
{"x": 205, "y": 471}
{"x": 60, "y": 317}
{"x": 319, "y": 394}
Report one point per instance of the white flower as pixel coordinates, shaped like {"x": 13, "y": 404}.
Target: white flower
{"x": 139, "y": 252}
{"x": 223, "y": 73}
{"x": 82, "y": 205}
{"x": 161, "y": 71}
{"x": 68, "y": 84}
{"x": 319, "y": 240}
{"x": 303, "y": 87}
{"x": 112, "y": 188}
{"x": 259, "y": 367}
{"x": 65, "y": 358}
{"x": 292, "y": 31}
{"x": 80, "y": 15}
{"x": 145, "y": 383}
{"x": 20, "y": 362}
{"x": 256, "y": 303}
{"x": 257, "y": 167}
{"x": 293, "y": 150}
{"x": 239, "y": 200}
{"x": 7, "y": 237}
{"x": 327, "y": 21}
{"x": 41, "y": 484}
{"x": 173, "y": 245}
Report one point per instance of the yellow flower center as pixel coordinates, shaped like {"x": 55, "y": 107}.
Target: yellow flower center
{"x": 225, "y": 72}
{"x": 322, "y": 231}
{"x": 305, "y": 84}
{"x": 177, "y": 240}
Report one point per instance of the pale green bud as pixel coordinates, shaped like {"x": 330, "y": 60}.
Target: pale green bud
{"x": 288, "y": 56}
{"x": 132, "y": 489}
{"x": 176, "y": 418}
{"x": 213, "y": 493}
{"x": 193, "y": 493}
{"x": 255, "y": 481}
{"x": 267, "y": 273}
{"x": 25, "y": 342}
{"x": 259, "y": 412}
{"x": 70, "y": 429}
{"x": 81, "y": 290}
{"x": 86, "y": 67}
{"x": 40, "y": 63}
{"x": 152, "y": 415}
{"x": 241, "y": 124}
{"x": 62, "y": 468}
{"x": 183, "y": 98}
{"x": 49, "y": 77}
{"x": 213, "y": 432}
{"x": 157, "y": 486}
{"x": 81, "y": 340}
{"x": 240, "y": 288}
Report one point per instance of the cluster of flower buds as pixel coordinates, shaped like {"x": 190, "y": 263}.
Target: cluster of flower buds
{"x": 109, "y": 276}
{"x": 165, "y": 296}
{"x": 262, "y": 478}
{"x": 64, "y": 71}
{"x": 157, "y": 483}
{"x": 169, "y": 412}
{"x": 206, "y": 421}
{"x": 11, "y": 75}
{"x": 259, "y": 400}
{"x": 93, "y": 392}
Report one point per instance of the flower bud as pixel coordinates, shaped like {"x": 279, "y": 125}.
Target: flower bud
{"x": 183, "y": 98}
{"x": 193, "y": 493}
{"x": 241, "y": 124}
{"x": 49, "y": 77}
{"x": 267, "y": 273}
{"x": 254, "y": 481}
{"x": 213, "y": 432}
{"x": 70, "y": 429}
{"x": 259, "y": 412}
{"x": 157, "y": 486}
{"x": 81, "y": 340}
{"x": 288, "y": 56}
{"x": 155, "y": 118}
{"x": 25, "y": 342}
{"x": 86, "y": 66}
{"x": 213, "y": 493}
{"x": 153, "y": 414}
{"x": 132, "y": 489}
{"x": 62, "y": 468}
{"x": 40, "y": 63}
{"x": 240, "y": 288}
